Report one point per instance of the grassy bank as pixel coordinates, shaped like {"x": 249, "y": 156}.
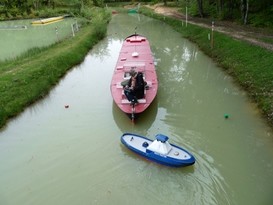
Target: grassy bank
{"x": 250, "y": 66}
{"x": 31, "y": 76}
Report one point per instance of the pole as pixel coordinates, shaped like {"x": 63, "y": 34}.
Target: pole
{"x": 212, "y": 29}
{"x": 73, "y": 33}
{"x": 186, "y": 16}
{"x": 57, "y": 33}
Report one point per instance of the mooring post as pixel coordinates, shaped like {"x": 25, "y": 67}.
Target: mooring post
{"x": 57, "y": 34}
{"x": 186, "y": 16}
{"x": 212, "y": 29}
{"x": 72, "y": 27}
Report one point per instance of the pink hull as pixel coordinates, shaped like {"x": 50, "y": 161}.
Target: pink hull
{"x": 135, "y": 52}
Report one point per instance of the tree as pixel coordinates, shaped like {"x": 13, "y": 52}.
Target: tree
{"x": 35, "y": 4}
{"x": 244, "y": 10}
{"x": 200, "y": 8}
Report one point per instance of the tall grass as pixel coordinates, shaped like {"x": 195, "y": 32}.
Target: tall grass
{"x": 31, "y": 76}
{"x": 250, "y": 65}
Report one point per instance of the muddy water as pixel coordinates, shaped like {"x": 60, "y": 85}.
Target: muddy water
{"x": 16, "y": 37}
{"x": 56, "y": 155}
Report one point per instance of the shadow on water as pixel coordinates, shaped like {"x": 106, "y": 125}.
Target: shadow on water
{"x": 143, "y": 122}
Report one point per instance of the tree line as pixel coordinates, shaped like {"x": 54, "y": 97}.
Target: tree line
{"x": 257, "y": 13}
{"x": 36, "y": 4}
{"x": 247, "y": 11}
{"x": 14, "y": 9}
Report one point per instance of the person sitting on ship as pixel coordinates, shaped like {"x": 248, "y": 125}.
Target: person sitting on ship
{"x": 134, "y": 90}
{"x": 140, "y": 86}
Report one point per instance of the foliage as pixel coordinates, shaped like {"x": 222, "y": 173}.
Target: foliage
{"x": 258, "y": 13}
{"x": 10, "y": 9}
{"x": 264, "y": 19}
{"x": 255, "y": 12}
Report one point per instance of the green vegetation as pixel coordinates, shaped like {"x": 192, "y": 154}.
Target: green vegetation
{"x": 256, "y": 13}
{"x": 251, "y": 66}
{"x": 31, "y": 76}
{"x": 10, "y": 9}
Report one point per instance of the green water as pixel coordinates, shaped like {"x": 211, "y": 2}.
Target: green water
{"x": 16, "y": 37}
{"x": 66, "y": 156}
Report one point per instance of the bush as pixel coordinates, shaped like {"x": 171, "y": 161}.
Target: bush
{"x": 261, "y": 19}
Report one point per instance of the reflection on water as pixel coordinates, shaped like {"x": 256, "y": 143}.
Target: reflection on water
{"x": 144, "y": 121}
{"x": 54, "y": 155}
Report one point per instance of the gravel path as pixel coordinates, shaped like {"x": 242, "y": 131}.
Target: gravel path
{"x": 245, "y": 33}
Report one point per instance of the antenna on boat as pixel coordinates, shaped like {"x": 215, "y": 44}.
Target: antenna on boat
{"x": 135, "y": 30}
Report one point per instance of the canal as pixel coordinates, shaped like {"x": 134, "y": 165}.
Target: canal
{"x": 51, "y": 154}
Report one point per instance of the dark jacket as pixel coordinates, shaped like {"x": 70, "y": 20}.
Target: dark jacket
{"x": 139, "y": 87}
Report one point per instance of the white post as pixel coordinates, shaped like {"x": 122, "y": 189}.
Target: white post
{"x": 212, "y": 29}
{"x": 72, "y": 27}
{"x": 57, "y": 34}
{"x": 186, "y": 16}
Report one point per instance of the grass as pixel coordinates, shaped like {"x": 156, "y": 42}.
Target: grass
{"x": 250, "y": 66}
{"x": 30, "y": 77}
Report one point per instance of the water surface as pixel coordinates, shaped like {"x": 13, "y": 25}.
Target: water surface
{"x": 56, "y": 155}
{"x": 18, "y": 36}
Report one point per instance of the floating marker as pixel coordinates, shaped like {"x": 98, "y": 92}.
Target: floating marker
{"x": 226, "y": 116}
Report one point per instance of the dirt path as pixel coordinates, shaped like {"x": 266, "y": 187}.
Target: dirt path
{"x": 246, "y": 33}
